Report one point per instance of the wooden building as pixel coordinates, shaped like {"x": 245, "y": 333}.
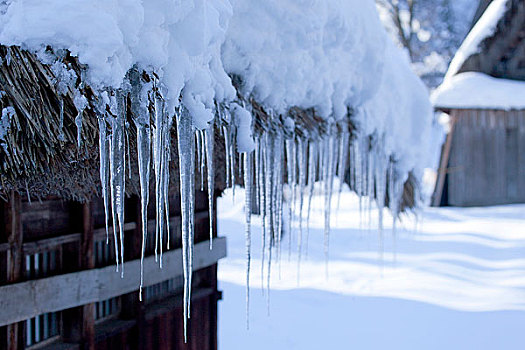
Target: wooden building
{"x": 59, "y": 288}
{"x": 483, "y": 158}
{"x": 58, "y": 285}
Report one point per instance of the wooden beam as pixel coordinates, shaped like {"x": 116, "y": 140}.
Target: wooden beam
{"x": 443, "y": 164}
{"x": 100, "y": 233}
{"x": 80, "y": 288}
{"x": 87, "y": 262}
{"x": 14, "y": 238}
{"x": 14, "y": 233}
{"x": 47, "y": 244}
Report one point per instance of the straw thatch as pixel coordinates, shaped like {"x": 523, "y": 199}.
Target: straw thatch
{"x": 40, "y": 158}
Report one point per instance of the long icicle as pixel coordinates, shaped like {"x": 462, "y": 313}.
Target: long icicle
{"x": 248, "y": 212}
{"x": 290, "y": 158}
{"x": 302, "y": 183}
{"x": 342, "y": 163}
{"x": 157, "y": 142}
{"x": 186, "y": 148}
{"x": 166, "y": 179}
{"x": 312, "y": 171}
{"x": 264, "y": 206}
{"x": 143, "y": 153}
{"x": 210, "y": 147}
{"x": 104, "y": 155}
{"x": 121, "y": 183}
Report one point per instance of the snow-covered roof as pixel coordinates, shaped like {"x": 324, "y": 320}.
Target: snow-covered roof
{"x": 484, "y": 28}
{"x": 474, "y": 90}
{"x": 176, "y": 63}
{"x": 328, "y": 55}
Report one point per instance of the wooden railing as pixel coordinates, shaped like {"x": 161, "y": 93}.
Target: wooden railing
{"x": 21, "y": 301}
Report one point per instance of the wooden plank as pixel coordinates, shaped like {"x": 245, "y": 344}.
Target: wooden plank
{"x": 455, "y": 157}
{"x": 169, "y": 304}
{"x": 443, "y": 165}
{"x": 100, "y": 233}
{"x": 47, "y": 244}
{"x": 70, "y": 290}
{"x": 511, "y": 164}
{"x": 14, "y": 238}
{"x": 42, "y": 218}
{"x": 87, "y": 262}
{"x": 13, "y": 229}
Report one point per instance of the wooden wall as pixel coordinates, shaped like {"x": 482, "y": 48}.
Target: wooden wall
{"x": 39, "y": 239}
{"x": 486, "y": 165}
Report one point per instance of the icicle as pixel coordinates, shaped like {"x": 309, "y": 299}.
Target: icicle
{"x": 329, "y": 174}
{"x": 343, "y": 159}
{"x": 358, "y": 160}
{"x": 232, "y": 159}
{"x": 104, "y": 155}
{"x": 186, "y": 148}
{"x": 203, "y": 157}
{"x": 275, "y": 162}
{"x": 159, "y": 154}
{"x": 128, "y": 151}
{"x": 192, "y": 226}
{"x": 263, "y": 204}
{"x": 279, "y": 167}
{"x": 312, "y": 170}
{"x": 381, "y": 163}
{"x": 227, "y": 154}
{"x": 200, "y": 155}
{"x": 80, "y": 103}
{"x": 143, "y": 153}
{"x": 370, "y": 185}
{"x": 290, "y": 166}
{"x": 121, "y": 193}
{"x": 78, "y": 123}
{"x": 118, "y": 173}
{"x": 248, "y": 212}
{"x": 302, "y": 184}
{"x": 210, "y": 147}
{"x": 162, "y": 186}
{"x": 257, "y": 169}
{"x": 269, "y": 196}
{"x": 166, "y": 182}
{"x": 61, "y": 136}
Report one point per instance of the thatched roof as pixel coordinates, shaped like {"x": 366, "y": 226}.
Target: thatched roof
{"x": 40, "y": 158}
{"x": 502, "y": 54}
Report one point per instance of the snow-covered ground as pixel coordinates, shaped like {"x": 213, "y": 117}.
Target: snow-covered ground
{"x": 453, "y": 279}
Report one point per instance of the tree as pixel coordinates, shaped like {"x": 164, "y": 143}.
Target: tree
{"x": 430, "y": 30}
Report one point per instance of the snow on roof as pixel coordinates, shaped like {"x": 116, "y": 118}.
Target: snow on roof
{"x": 331, "y": 56}
{"x": 484, "y": 28}
{"x": 474, "y": 90}
{"x": 327, "y": 55}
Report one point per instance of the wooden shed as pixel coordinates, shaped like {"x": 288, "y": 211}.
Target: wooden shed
{"x": 483, "y": 158}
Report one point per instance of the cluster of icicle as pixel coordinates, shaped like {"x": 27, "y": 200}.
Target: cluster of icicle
{"x": 281, "y": 161}
{"x": 285, "y": 162}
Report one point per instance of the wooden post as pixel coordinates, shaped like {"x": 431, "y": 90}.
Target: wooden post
{"x": 443, "y": 164}
{"x": 14, "y": 233}
{"x": 88, "y": 262}
{"x": 79, "y": 322}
